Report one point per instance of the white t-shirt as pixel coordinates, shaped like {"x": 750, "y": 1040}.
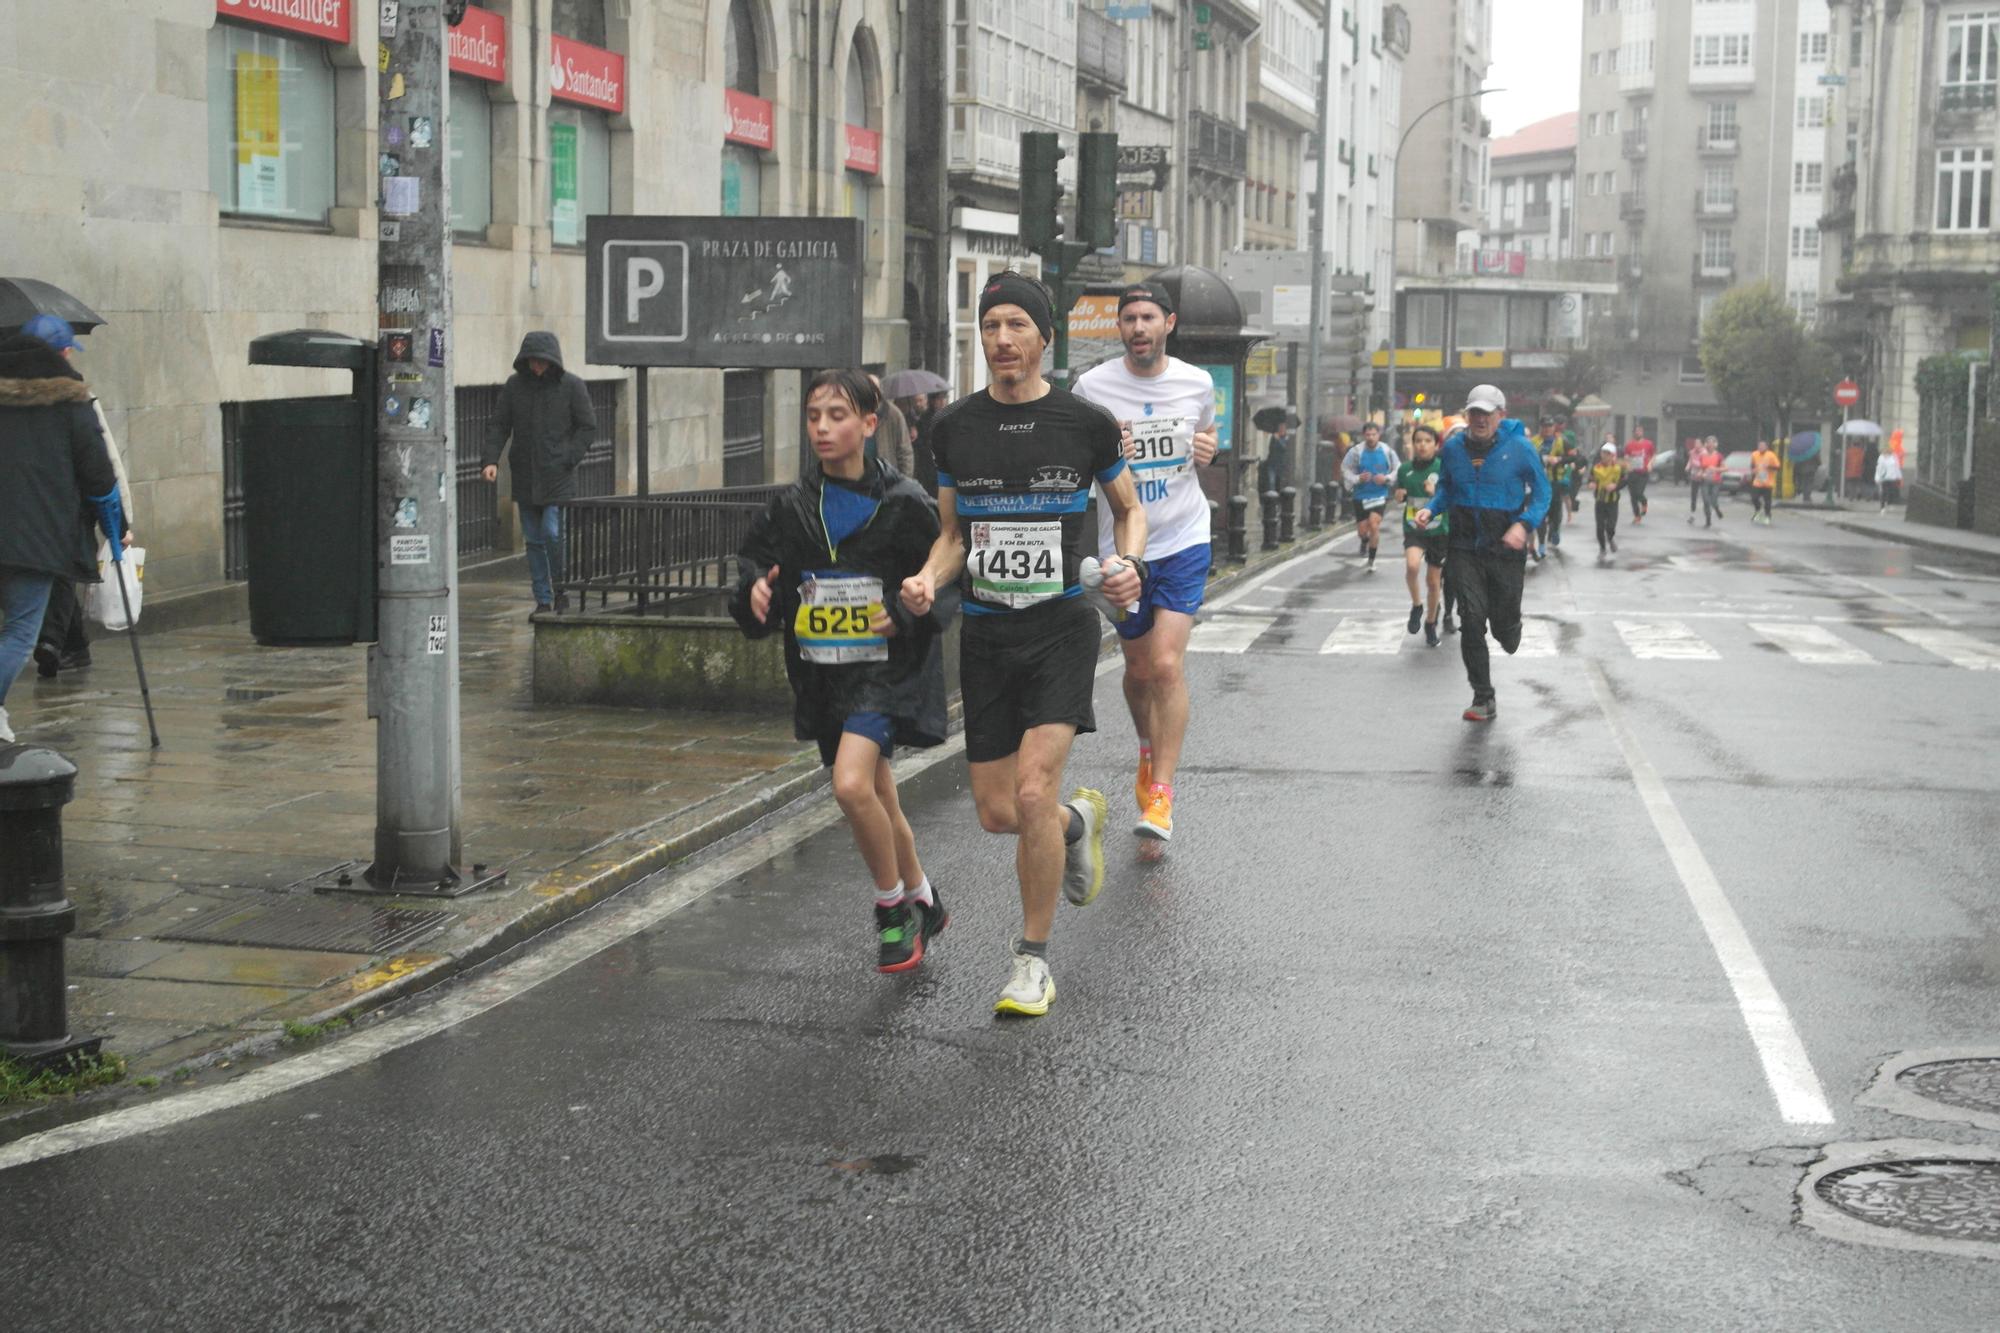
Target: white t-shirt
{"x": 1165, "y": 411}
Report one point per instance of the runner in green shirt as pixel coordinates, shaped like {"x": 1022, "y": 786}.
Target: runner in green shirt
{"x": 1416, "y": 481}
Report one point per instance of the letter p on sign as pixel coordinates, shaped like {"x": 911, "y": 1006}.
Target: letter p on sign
{"x": 645, "y": 296}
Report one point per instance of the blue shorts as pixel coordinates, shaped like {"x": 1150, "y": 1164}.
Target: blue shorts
{"x": 1173, "y": 583}
{"x": 877, "y": 727}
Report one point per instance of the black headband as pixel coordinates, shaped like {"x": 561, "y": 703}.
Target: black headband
{"x": 1011, "y": 288}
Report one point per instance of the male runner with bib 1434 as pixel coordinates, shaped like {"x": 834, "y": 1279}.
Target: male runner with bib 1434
{"x": 866, "y": 674}
{"x": 1015, "y": 466}
{"x": 1369, "y": 471}
{"x": 1169, "y": 407}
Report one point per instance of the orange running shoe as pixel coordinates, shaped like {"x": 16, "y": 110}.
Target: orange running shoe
{"x": 1142, "y": 786}
{"x": 1157, "y": 823}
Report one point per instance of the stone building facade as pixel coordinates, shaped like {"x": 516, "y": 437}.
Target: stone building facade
{"x": 202, "y": 172}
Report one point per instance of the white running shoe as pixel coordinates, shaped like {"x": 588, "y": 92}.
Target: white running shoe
{"x": 1090, "y": 575}
{"x": 1030, "y": 990}
{"x": 6, "y": 732}
{"x": 1083, "y": 860}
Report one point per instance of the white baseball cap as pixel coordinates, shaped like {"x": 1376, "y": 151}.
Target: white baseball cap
{"x": 1608, "y": 449}
{"x": 1486, "y": 398}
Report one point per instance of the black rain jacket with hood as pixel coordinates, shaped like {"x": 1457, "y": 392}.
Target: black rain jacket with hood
{"x": 891, "y": 546}
{"x": 550, "y": 419}
{"x": 52, "y": 460}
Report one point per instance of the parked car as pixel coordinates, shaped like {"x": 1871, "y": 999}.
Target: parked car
{"x": 1736, "y": 472}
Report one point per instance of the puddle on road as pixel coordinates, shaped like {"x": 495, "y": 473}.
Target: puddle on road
{"x": 881, "y": 1164}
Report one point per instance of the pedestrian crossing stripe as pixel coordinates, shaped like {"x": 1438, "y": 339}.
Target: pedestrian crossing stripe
{"x": 1804, "y": 642}
{"x": 1959, "y": 649}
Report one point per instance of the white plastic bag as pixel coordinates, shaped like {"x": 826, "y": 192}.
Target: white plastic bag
{"x": 104, "y": 605}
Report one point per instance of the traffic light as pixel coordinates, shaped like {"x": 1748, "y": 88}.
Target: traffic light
{"x": 1097, "y": 190}
{"x": 1041, "y": 192}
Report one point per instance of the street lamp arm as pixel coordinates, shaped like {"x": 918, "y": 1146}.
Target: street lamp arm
{"x": 1414, "y": 120}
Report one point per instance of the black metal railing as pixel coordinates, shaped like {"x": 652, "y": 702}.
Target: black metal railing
{"x": 1221, "y": 147}
{"x": 657, "y": 553}
{"x": 478, "y": 498}
{"x": 597, "y": 474}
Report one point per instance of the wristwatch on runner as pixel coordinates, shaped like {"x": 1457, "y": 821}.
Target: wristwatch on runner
{"x": 1138, "y": 566}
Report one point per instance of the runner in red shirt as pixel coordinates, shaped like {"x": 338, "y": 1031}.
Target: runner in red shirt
{"x": 1638, "y": 471}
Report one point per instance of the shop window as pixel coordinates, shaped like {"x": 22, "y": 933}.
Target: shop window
{"x": 471, "y": 160}
{"x": 270, "y": 124}
{"x": 579, "y": 169}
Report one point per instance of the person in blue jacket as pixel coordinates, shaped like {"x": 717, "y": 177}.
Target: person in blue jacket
{"x": 1495, "y": 490}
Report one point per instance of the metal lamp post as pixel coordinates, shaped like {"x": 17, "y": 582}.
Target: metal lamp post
{"x": 1395, "y": 183}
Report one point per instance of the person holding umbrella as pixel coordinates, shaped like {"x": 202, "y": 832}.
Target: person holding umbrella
{"x": 54, "y": 468}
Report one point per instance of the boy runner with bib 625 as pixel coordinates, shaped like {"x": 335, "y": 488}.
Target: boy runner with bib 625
{"x": 823, "y": 564}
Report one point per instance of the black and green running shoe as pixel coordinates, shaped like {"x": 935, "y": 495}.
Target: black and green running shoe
{"x": 900, "y": 930}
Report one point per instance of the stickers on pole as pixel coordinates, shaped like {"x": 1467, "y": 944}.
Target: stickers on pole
{"x": 435, "y": 355}
{"x": 410, "y": 549}
{"x": 436, "y": 635}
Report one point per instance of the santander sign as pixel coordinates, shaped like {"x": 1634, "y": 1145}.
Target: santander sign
{"x": 478, "y": 46}
{"x": 747, "y": 119}
{"x": 330, "y": 19}
{"x": 586, "y": 75}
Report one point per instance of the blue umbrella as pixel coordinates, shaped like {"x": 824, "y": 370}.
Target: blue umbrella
{"x": 1804, "y": 445}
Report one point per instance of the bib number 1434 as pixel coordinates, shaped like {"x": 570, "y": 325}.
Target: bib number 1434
{"x": 1016, "y": 564}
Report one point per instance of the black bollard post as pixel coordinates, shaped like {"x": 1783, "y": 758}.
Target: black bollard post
{"x": 1288, "y": 514}
{"x": 1239, "y": 528}
{"x": 1315, "y": 507}
{"x": 35, "y": 784}
{"x": 1214, "y": 528}
{"x": 1267, "y": 510}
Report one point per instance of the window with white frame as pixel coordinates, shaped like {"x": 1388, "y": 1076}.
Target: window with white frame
{"x": 1722, "y": 122}
{"x": 1610, "y": 244}
{"x": 1718, "y": 185}
{"x": 1805, "y": 242}
{"x": 1423, "y": 320}
{"x": 1808, "y": 177}
{"x": 1721, "y": 50}
{"x": 1706, "y": 307}
{"x": 1716, "y": 249}
{"x": 1611, "y": 182}
{"x": 1805, "y": 305}
{"x": 1813, "y": 48}
{"x": 1595, "y": 64}
{"x": 1590, "y": 125}
{"x": 1590, "y": 244}
{"x": 1972, "y": 47}
{"x": 1590, "y": 183}
{"x": 1810, "y": 113}
{"x": 1611, "y": 122}
{"x": 270, "y": 124}
{"x": 1964, "y": 189}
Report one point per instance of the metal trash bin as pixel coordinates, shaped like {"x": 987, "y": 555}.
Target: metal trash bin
{"x": 309, "y": 497}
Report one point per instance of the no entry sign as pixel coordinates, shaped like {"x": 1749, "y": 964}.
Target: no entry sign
{"x": 1847, "y": 393}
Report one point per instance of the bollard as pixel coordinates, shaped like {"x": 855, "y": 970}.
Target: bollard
{"x": 1315, "y": 506}
{"x": 1214, "y": 526}
{"x": 1267, "y": 511}
{"x": 35, "y": 784}
{"x": 1288, "y": 514}
{"x": 1239, "y": 528}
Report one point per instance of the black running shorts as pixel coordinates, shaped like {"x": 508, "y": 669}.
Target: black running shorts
{"x": 1433, "y": 545}
{"x": 1027, "y": 669}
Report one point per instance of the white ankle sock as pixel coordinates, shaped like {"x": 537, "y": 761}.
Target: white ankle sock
{"x": 922, "y": 893}
{"x": 889, "y": 897}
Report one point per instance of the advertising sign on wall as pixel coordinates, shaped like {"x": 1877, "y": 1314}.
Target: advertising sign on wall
{"x": 566, "y": 213}
{"x": 330, "y": 19}
{"x": 478, "y": 45}
{"x": 586, "y": 75}
{"x": 746, "y": 119}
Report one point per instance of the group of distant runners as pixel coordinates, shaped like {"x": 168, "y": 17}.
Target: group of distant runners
{"x": 1055, "y": 507}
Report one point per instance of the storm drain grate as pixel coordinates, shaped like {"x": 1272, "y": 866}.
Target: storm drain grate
{"x": 1970, "y": 1085}
{"x": 1950, "y": 1198}
{"x": 318, "y": 924}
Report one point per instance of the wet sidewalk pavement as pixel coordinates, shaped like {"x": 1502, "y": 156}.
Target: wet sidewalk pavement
{"x": 1893, "y": 526}
{"x": 266, "y": 777}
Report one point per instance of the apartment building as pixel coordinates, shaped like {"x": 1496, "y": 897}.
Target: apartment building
{"x": 1911, "y": 252}
{"x": 1370, "y": 51}
{"x": 1284, "y": 100}
{"x": 1531, "y": 196}
{"x": 1700, "y": 166}
{"x": 1441, "y": 185}
{"x": 203, "y": 174}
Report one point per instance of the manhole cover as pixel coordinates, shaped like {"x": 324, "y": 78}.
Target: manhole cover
{"x": 1950, "y": 1198}
{"x": 1970, "y": 1085}
{"x": 334, "y": 927}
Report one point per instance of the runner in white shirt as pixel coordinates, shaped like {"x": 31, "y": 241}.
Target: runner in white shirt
{"x": 1168, "y": 407}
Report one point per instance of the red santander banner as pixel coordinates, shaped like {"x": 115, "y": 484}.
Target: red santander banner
{"x": 864, "y": 150}
{"x": 478, "y": 46}
{"x": 586, "y": 75}
{"x": 749, "y": 119}
{"x": 331, "y": 19}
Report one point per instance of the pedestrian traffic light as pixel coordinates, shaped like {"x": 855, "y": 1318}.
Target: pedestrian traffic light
{"x": 1097, "y": 190}
{"x": 1041, "y": 192}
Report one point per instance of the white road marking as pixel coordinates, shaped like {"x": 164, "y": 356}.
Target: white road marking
{"x": 1667, "y": 639}
{"x": 1958, "y": 649}
{"x": 1815, "y": 645}
{"x": 1957, "y": 577}
{"x": 1538, "y": 639}
{"x": 1787, "y": 1067}
{"x": 1377, "y": 638}
{"x": 1895, "y": 597}
{"x": 1228, "y": 634}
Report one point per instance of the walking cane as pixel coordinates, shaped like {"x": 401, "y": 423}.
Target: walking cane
{"x": 132, "y": 633}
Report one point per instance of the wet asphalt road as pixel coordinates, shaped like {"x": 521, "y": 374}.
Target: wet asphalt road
{"x": 1414, "y": 1028}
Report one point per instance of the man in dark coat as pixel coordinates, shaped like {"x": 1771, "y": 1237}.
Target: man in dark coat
{"x": 546, "y": 410}
{"x": 54, "y": 470}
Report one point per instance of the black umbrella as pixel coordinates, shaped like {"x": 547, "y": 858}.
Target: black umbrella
{"x": 910, "y": 383}
{"x": 21, "y": 299}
